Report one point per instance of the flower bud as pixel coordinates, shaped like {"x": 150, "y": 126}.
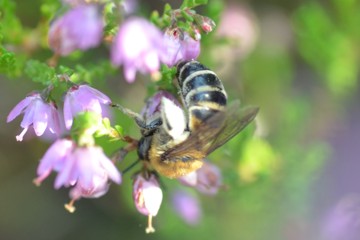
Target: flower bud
{"x": 207, "y": 25}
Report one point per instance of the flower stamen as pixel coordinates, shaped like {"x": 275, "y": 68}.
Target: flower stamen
{"x": 150, "y": 228}
{"x": 70, "y": 206}
{"x": 20, "y": 137}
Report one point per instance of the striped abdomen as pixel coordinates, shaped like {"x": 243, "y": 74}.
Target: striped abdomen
{"x": 201, "y": 90}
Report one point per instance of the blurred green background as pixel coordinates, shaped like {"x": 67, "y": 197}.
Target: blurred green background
{"x": 294, "y": 176}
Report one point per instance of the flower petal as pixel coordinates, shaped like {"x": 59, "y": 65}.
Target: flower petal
{"x": 17, "y": 110}
{"x": 54, "y": 121}
{"x": 41, "y": 117}
{"x": 55, "y": 155}
{"x": 110, "y": 169}
{"x": 96, "y": 93}
{"x": 28, "y": 115}
{"x": 68, "y": 117}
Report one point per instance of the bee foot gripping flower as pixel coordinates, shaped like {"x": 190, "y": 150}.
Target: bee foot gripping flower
{"x": 138, "y": 46}
{"x": 38, "y": 113}
{"x": 147, "y": 196}
{"x": 86, "y": 169}
{"x": 82, "y": 98}
{"x": 80, "y": 28}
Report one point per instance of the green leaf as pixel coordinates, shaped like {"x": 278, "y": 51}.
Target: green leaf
{"x": 66, "y": 70}
{"x": 192, "y": 3}
{"x": 92, "y": 72}
{"x": 167, "y": 8}
{"x": 7, "y": 61}
{"x": 40, "y": 72}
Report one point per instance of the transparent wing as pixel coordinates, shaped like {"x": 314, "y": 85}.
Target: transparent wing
{"x": 236, "y": 120}
{"x": 215, "y": 131}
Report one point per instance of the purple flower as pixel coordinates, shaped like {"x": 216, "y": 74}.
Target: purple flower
{"x": 88, "y": 169}
{"x": 38, "y": 113}
{"x": 343, "y": 220}
{"x": 179, "y": 47}
{"x": 138, "y": 46}
{"x": 207, "y": 179}
{"x": 54, "y": 159}
{"x": 153, "y": 104}
{"x": 187, "y": 207}
{"x": 80, "y": 28}
{"x": 189, "y": 179}
{"x": 147, "y": 196}
{"x": 81, "y": 98}
{"x": 100, "y": 187}
{"x": 82, "y": 166}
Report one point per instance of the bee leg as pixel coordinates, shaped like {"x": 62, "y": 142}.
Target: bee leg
{"x": 137, "y": 117}
{"x": 122, "y": 152}
{"x": 150, "y": 128}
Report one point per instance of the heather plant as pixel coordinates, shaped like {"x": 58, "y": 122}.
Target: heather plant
{"x": 78, "y": 65}
{"x": 136, "y": 44}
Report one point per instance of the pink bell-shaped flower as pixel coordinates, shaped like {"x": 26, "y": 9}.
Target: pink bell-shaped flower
{"x": 38, "y": 113}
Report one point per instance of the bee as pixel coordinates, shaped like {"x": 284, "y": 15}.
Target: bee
{"x": 175, "y": 144}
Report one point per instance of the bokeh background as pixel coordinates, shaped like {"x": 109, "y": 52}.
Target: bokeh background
{"x": 294, "y": 175}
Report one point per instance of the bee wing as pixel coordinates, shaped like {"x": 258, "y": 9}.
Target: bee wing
{"x": 236, "y": 120}
{"x": 215, "y": 131}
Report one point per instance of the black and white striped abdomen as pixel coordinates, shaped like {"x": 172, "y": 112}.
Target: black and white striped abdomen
{"x": 202, "y": 91}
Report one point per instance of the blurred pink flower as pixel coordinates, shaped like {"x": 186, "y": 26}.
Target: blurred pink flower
{"x": 138, "y": 46}
{"x": 207, "y": 179}
{"x": 187, "y": 207}
{"x": 80, "y": 28}
{"x": 81, "y": 98}
{"x": 179, "y": 47}
{"x": 238, "y": 24}
{"x": 343, "y": 220}
{"x": 189, "y": 179}
{"x": 38, "y": 113}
